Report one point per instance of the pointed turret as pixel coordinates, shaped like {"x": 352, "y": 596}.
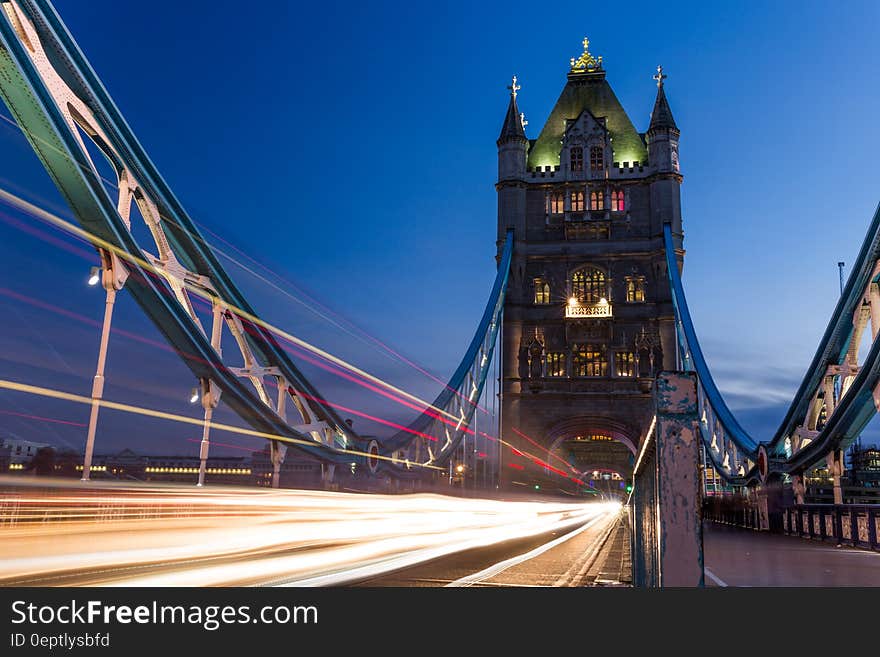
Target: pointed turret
{"x": 662, "y": 136}
{"x": 512, "y": 129}
{"x": 661, "y": 117}
{"x": 512, "y": 142}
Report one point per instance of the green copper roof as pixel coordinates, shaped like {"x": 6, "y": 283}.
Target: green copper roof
{"x": 588, "y": 92}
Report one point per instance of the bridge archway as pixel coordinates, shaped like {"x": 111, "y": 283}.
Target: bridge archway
{"x": 596, "y": 445}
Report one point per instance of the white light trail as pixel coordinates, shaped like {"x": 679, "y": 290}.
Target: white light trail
{"x": 144, "y": 535}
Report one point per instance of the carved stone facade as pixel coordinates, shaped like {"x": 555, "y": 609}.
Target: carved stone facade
{"x": 587, "y": 201}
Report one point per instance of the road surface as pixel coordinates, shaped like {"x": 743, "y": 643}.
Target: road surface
{"x": 109, "y": 534}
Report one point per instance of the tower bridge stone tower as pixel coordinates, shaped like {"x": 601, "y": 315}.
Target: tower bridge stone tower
{"x": 588, "y": 318}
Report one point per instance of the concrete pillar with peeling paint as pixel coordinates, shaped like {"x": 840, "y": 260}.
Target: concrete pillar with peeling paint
{"x": 678, "y": 485}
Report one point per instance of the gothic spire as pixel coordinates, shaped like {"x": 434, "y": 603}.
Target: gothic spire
{"x": 513, "y": 121}
{"x": 661, "y": 117}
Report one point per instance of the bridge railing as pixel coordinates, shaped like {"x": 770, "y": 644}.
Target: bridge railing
{"x": 843, "y": 524}
{"x": 735, "y": 510}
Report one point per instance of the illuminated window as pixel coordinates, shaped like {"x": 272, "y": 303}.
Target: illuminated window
{"x": 576, "y": 154}
{"x": 542, "y": 291}
{"x": 597, "y": 201}
{"x": 556, "y": 203}
{"x": 597, "y": 159}
{"x": 625, "y": 363}
{"x": 555, "y": 364}
{"x": 617, "y": 202}
{"x": 588, "y": 360}
{"x": 588, "y": 285}
{"x": 635, "y": 289}
{"x": 577, "y": 201}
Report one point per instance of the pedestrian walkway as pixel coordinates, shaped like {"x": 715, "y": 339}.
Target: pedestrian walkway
{"x": 744, "y": 557}
{"x": 613, "y": 566}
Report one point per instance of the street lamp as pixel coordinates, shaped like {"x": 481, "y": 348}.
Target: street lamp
{"x": 194, "y": 396}
{"x": 94, "y": 276}
{"x": 459, "y": 468}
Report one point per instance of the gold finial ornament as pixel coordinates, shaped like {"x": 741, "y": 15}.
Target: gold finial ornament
{"x": 660, "y": 76}
{"x": 514, "y": 87}
{"x": 522, "y": 119}
{"x": 586, "y": 62}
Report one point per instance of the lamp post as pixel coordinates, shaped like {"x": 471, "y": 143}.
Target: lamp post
{"x": 112, "y": 276}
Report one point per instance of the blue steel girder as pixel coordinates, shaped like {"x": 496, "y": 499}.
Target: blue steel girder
{"x": 713, "y": 411}
{"x": 833, "y": 373}
{"x": 53, "y": 93}
{"x": 838, "y": 336}
{"x": 432, "y": 438}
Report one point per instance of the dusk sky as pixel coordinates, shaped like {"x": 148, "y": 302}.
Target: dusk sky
{"x": 350, "y": 149}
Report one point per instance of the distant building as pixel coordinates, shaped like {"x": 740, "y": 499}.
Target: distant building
{"x": 865, "y": 467}
{"x": 297, "y": 471}
{"x": 5, "y": 459}
{"x": 234, "y": 470}
{"x": 129, "y": 465}
{"x": 21, "y": 451}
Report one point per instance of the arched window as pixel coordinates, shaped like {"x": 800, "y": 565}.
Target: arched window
{"x": 589, "y": 286}
{"x": 588, "y": 360}
{"x": 557, "y": 201}
{"x": 625, "y": 363}
{"x": 576, "y": 156}
{"x": 597, "y": 158}
{"x": 597, "y": 201}
{"x": 555, "y": 364}
{"x": 617, "y": 201}
{"x": 542, "y": 291}
{"x": 635, "y": 289}
{"x": 577, "y": 201}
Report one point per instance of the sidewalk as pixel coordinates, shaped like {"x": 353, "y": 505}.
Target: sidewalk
{"x": 743, "y": 557}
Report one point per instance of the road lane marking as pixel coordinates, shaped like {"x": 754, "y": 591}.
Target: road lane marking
{"x": 500, "y": 567}
{"x": 714, "y": 577}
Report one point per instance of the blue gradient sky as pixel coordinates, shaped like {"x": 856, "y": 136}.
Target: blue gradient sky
{"x": 351, "y": 148}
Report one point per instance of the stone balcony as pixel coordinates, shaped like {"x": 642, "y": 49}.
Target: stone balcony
{"x": 588, "y": 310}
